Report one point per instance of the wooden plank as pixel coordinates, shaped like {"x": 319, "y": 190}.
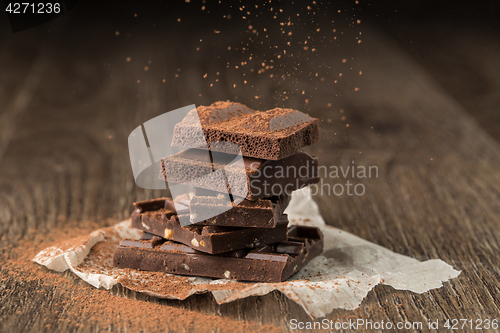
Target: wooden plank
{"x": 436, "y": 195}
{"x": 20, "y": 81}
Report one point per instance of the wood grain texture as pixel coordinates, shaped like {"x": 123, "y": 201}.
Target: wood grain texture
{"x": 436, "y": 196}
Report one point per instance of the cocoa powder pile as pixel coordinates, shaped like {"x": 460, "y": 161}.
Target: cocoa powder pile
{"x": 62, "y": 301}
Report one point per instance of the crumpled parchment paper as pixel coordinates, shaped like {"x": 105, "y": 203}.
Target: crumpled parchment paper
{"x": 340, "y": 278}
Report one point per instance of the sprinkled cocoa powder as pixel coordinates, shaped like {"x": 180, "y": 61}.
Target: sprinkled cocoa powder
{"x": 65, "y": 301}
{"x": 271, "y": 135}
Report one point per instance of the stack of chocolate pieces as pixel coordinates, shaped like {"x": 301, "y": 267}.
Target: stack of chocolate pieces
{"x": 232, "y": 224}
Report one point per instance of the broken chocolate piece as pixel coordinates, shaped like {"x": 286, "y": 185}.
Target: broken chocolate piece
{"x": 159, "y": 218}
{"x": 271, "y": 135}
{"x": 262, "y": 213}
{"x": 269, "y": 263}
{"x": 165, "y": 205}
{"x": 257, "y": 179}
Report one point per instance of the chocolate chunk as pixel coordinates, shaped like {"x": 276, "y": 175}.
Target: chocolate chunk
{"x": 165, "y": 205}
{"x": 269, "y": 263}
{"x": 148, "y": 241}
{"x": 256, "y": 179}
{"x": 271, "y": 135}
{"x": 158, "y": 217}
{"x": 262, "y": 213}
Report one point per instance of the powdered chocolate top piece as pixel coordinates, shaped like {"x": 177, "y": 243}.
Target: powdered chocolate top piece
{"x": 270, "y": 135}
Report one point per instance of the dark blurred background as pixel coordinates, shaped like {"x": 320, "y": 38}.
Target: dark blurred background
{"x": 457, "y": 42}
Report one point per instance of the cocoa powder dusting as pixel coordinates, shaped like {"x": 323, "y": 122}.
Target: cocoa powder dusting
{"x": 235, "y": 117}
{"x": 63, "y": 300}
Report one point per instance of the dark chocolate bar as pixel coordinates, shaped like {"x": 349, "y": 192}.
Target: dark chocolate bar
{"x": 269, "y": 263}
{"x": 246, "y": 177}
{"x": 262, "y": 213}
{"x": 159, "y": 217}
{"x": 270, "y": 135}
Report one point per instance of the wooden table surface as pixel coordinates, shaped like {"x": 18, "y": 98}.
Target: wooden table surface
{"x": 66, "y": 109}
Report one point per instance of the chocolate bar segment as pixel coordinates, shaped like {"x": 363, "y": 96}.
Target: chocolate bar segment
{"x": 262, "y": 213}
{"x": 165, "y": 205}
{"x": 271, "y": 135}
{"x": 269, "y": 263}
{"x": 158, "y": 217}
{"x": 244, "y": 177}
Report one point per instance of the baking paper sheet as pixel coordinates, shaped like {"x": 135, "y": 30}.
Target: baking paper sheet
{"x": 340, "y": 278}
